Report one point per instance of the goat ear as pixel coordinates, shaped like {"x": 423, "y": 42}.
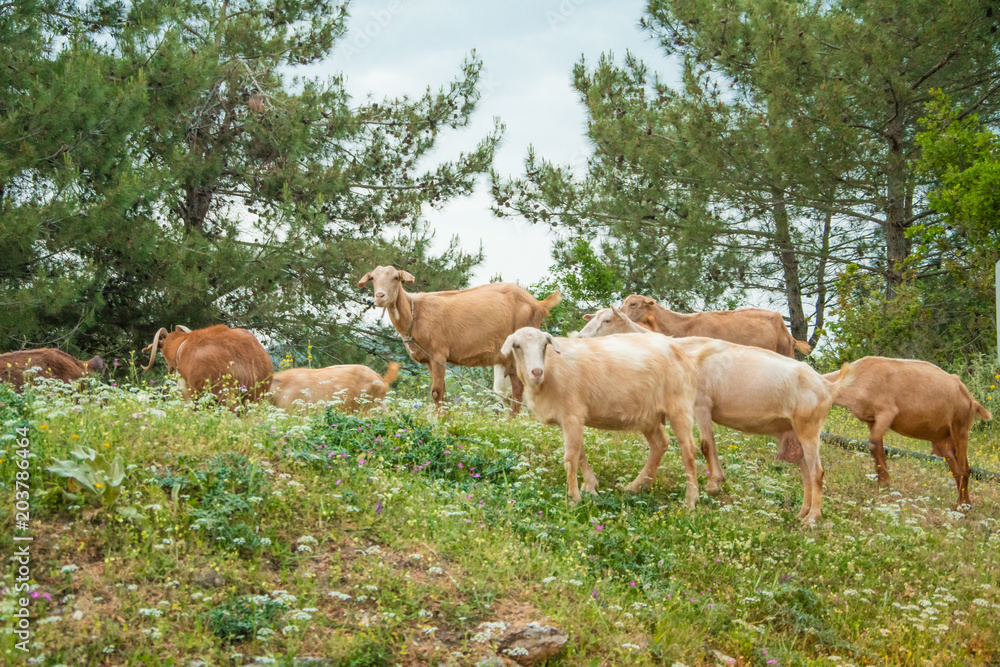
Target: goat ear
{"x": 615, "y": 311}
{"x": 508, "y": 346}
{"x": 648, "y": 301}
{"x": 406, "y": 277}
{"x": 553, "y": 343}
{"x": 588, "y": 317}
{"x": 364, "y": 279}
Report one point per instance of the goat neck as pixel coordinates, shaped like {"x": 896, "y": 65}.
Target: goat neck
{"x": 401, "y": 314}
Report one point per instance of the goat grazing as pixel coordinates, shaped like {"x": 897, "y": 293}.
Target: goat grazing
{"x": 463, "y": 327}
{"x": 755, "y": 327}
{"x": 231, "y": 363}
{"x": 754, "y": 391}
{"x": 51, "y": 363}
{"x": 354, "y": 387}
{"x": 622, "y": 383}
{"x": 919, "y": 400}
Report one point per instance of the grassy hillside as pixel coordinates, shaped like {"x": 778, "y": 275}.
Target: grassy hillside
{"x": 394, "y": 539}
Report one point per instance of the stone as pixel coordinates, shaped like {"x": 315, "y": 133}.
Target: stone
{"x": 209, "y": 578}
{"x": 532, "y": 645}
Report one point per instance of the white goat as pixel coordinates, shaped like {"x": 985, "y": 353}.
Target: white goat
{"x": 626, "y": 383}
{"x": 755, "y": 391}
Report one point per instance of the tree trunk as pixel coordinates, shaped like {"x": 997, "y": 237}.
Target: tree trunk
{"x": 194, "y": 210}
{"x": 897, "y": 245}
{"x": 790, "y": 266}
{"x": 821, "y": 281}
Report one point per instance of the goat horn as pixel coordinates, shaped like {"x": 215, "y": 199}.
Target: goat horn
{"x": 153, "y": 348}
{"x": 181, "y": 327}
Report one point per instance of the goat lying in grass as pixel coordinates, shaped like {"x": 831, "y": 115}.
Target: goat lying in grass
{"x": 624, "y": 383}
{"x": 754, "y": 391}
{"x": 353, "y": 386}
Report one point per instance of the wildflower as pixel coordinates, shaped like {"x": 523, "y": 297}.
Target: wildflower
{"x": 980, "y": 602}
{"x": 66, "y": 569}
{"x": 632, "y": 646}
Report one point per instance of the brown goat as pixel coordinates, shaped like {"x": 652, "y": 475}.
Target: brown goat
{"x": 919, "y": 400}
{"x": 354, "y": 387}
{"x": 747, "y": 326}
{"x": 51, "y": 363}
{"x": 231, "y": 363}
{"x": 463, "y": 327}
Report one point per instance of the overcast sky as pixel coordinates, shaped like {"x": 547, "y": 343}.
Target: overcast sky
{"x": 528, "y": 49}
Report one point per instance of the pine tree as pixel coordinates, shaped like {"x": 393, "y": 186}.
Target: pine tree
{"x": 211, "y": 184}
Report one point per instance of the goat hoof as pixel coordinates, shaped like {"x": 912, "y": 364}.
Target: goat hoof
{"x": 591, "y": 489}
{"x": 883, "y": 481}
{"x": 802, "y": 513}
{"x": 713, "y": 489}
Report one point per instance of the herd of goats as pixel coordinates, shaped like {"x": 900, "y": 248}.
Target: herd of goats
{"x": 628, "y": 369}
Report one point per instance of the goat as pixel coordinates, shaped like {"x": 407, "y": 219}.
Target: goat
{"x": 354, "y": 386}
{"x": 51, "y": 363}
{"x": 919, "y": 400}
{"x": 622, "y": 383}
{"x": 463, "y": 327}
{"x": 231, "y": 363}
{"x": 747, "y": 326}
{"x": 755, "y": 391}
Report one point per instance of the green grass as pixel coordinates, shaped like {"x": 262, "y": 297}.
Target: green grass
{"x": 392, "y": 539}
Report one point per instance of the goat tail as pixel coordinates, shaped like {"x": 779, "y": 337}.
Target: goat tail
{"x": 391, "y": 373}
{"x": 551, "y": 301}
{"x": 982, "y": 412}
{"x": 844, "y": 379}
{"x": 801, "y": 346}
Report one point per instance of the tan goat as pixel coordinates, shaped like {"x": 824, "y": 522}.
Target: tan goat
{"x": 747, "y": 326}
{"x": 754, "y": 391}
{"x": 919, "y": 400}
{"x": 51, "y": 363}
{"x": 463, "y": 327}
{"x": 621, "y": 383}
{"x": 353, "y": 387}
{"x": 231, "y": 363}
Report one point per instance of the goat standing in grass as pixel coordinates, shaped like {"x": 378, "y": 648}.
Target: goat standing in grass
{"x": 621, "y": 383}
{"x": 919, "y": 400}
{"x": 754, "y": 391}
{"x": 463, "y": 327}
{"x": 231, "y": 363}
{"x": 747, "y": 326}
